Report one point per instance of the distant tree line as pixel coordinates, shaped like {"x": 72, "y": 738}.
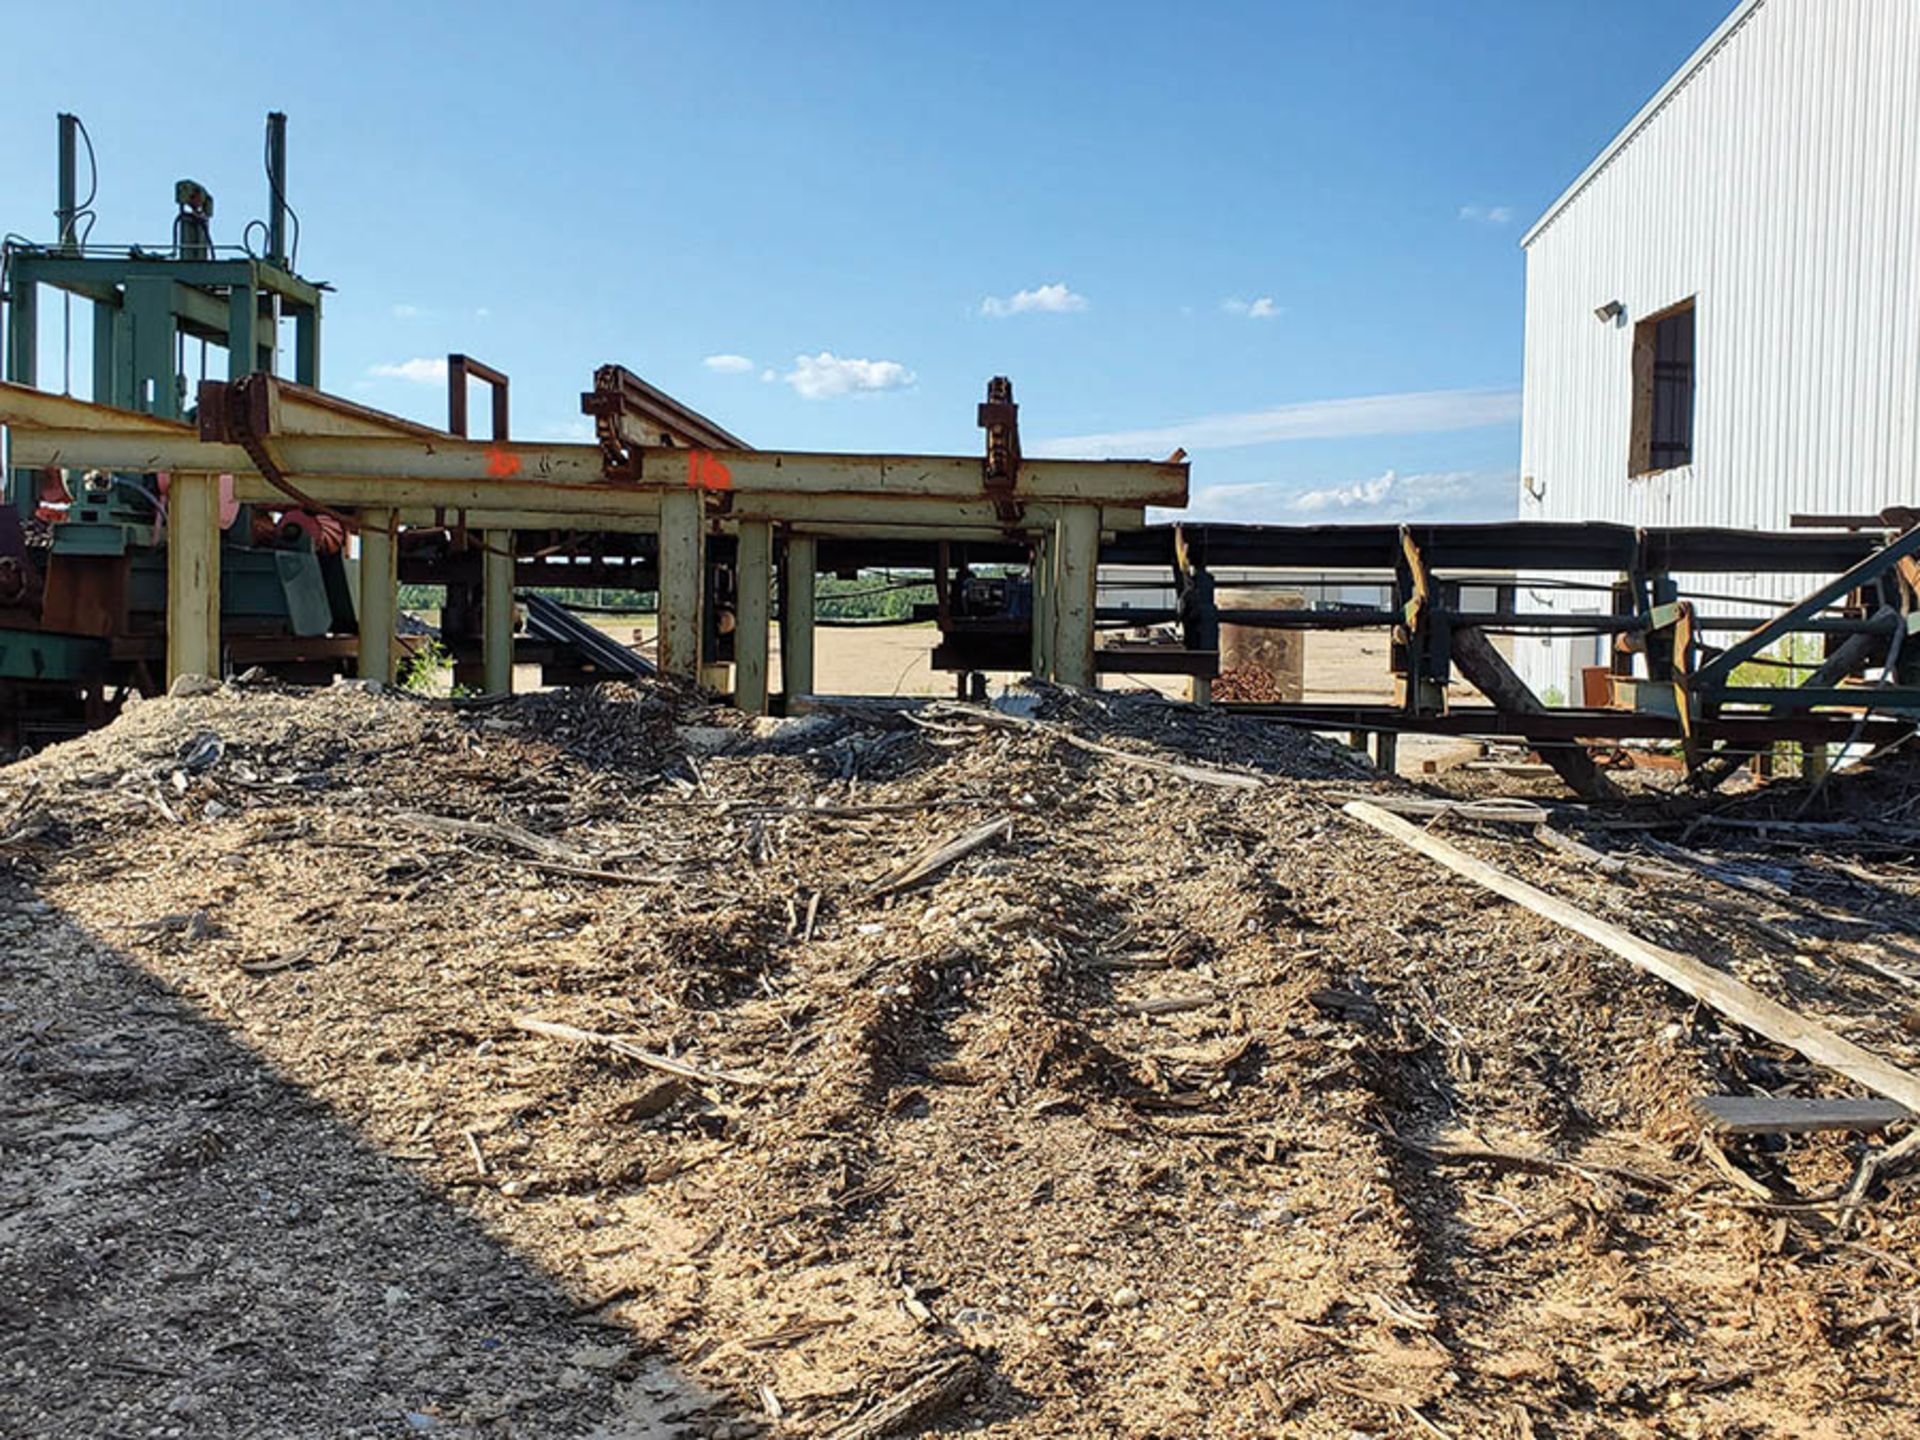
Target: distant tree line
{"x": 876, "y": 596}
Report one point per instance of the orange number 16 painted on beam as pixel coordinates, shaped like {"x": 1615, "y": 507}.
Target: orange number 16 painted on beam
{"x": 705, "y": 471}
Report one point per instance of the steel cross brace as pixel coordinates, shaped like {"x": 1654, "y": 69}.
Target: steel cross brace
{"x": 1711, "y": 675}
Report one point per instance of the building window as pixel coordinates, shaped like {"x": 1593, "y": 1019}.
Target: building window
{"x": 1662, "y": 391}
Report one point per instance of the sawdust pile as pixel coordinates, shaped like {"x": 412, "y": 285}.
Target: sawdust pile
{"x": 1078, "y": 1074}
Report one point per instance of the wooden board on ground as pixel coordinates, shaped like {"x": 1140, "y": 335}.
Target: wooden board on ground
{"x": 1739, "y": 1002}
{"x": 1791, "y": 1115}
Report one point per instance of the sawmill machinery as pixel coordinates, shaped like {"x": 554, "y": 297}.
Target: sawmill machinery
{"x": 83, "y": 568}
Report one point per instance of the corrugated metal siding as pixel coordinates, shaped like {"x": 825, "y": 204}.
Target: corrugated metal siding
{"x": 1780, "y": 186}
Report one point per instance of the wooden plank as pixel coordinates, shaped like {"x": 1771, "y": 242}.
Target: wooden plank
{"x": 1791, "y": 1115}
{"x": 937, "y": 857}
{"x": 1738, "y": 1002}
{"x": 1640, "y": 436}
{"x": 620, "y": 1045}
{"x": 1487, "y": 668}
{"x": 1497, "y": 810}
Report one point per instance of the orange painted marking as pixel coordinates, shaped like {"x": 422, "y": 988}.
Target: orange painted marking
{"x": 707, "y": 472}
{"x": 502, "y": 464}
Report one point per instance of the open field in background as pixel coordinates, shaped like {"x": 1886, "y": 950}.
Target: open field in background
{"x": 893, "y": 660}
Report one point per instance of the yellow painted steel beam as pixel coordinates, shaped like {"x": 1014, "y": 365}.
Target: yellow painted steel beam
{"x": 496, "y": 612}
{"x": 422, "y": 517}
{"x": 318, "y": 457}
{"x": 302, "y": 410}
{"x": 563, "y": 506}
{"x": 43, "y": 436}
{"x": 28, "y": 408}
{"x": 796, "y": 628}
{"x": 193, "y": 575}
{"x": 1075, "y": 570}
{"x": 379, "y": 595}
{"x": 1115, "y": 482}
{"x": 683, "y": 531}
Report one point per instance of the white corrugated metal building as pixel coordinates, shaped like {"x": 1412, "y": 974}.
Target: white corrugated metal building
{"x": 1723, "y": 310}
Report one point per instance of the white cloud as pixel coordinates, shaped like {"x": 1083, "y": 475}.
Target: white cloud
{"x": 483, "y": 313}
{"x": 420, "y": 372}
{"x": 1440, "y": 495}
{"x": 1389, "y": 496}
{"x": 1487, "y": 214}
{"x": 1414, "y": 413}
{"x": 769, "y": 375}
{"x": 1361, "y": 494}
{"x": 1054, "y": 299}
{"x": 407, "y": 312}
{"x": 1261, "y": 309}
{"x": 728, "y": 364}
{"x": 826, "y": 375}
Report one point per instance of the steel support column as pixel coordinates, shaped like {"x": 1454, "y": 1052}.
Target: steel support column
{"x": 1042, "y": 620}
{"x": 23, "y": 368}
{"x": 796, "y": 625}
{"x": 243, "y": 331}
{"x": 306, "y": 344}
{"x": 683, "y": 540}
{"x": 1076, "y": 571}
{"x": 149, "y": 308}
{"x": 496, "y": 612}
{"x": 379, "y": 594}
{"x": 751, "y": 616}
{"x": 193, "y": 575}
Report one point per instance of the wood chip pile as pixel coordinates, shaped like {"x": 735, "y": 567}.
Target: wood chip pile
{"x": 609, "y": 1064}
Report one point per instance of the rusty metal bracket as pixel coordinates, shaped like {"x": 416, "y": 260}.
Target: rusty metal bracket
{"x": 1000, "y": 468}
{"x": 461, "y": 369}
{"x": 240, "y": 412}
{"x": 629, "y": 414}
{"x": 1423, "y": 639}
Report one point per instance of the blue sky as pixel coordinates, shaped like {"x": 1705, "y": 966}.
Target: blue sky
{"x": 827, "y": 224}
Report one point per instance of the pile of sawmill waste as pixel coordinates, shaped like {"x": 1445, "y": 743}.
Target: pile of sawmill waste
{"x": 613, "y": 1064}
{"x": 1248, "y": 685}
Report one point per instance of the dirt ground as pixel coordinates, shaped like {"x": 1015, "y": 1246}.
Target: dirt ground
{"x": 1348, "y": 665}
{"x": 942, "y": 1075}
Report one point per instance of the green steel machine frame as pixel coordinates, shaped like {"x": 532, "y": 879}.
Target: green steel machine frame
{"x": 147, "y": 302}
{"x": 82, "y": 557}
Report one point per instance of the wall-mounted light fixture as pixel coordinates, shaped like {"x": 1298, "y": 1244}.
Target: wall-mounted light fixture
{"x": 1609, "y": 312}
